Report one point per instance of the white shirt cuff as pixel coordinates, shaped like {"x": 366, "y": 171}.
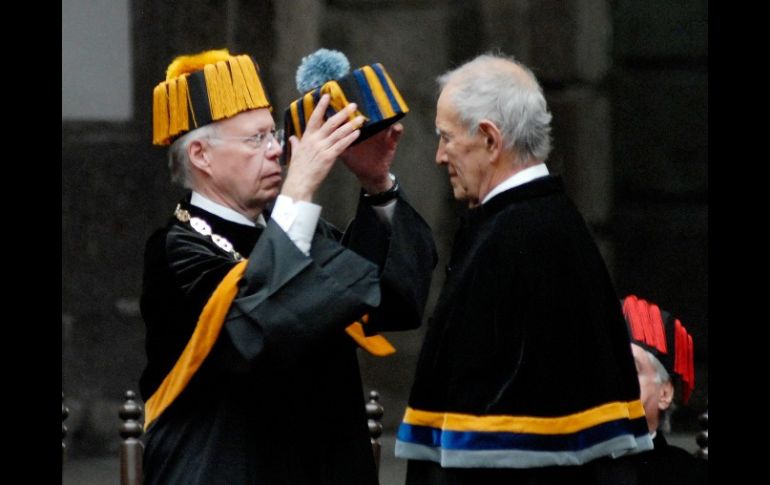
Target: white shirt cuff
{"x": 297, "y": 219}
{"x": 385, "y": 211}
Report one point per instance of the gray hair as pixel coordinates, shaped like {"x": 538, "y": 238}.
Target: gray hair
{"x": 179, "y": 160}
{"x": 486, "y": 88}
{"x": 662, "y": 376}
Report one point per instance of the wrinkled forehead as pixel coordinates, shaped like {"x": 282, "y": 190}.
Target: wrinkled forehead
{"x": 446, "y": 112}
{"x": 639, "y": 353}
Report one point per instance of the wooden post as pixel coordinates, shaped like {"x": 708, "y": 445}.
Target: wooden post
{"x": 131, "y": 449}
{"x": 702, "y": 438}
{"x": 374, "y": 413}
{"x": 64, "y": 413}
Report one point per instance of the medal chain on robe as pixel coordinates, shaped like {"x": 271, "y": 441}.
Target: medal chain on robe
{"x": 204, "y": 228}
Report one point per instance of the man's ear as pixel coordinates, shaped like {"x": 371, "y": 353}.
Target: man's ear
{"x": 665, "y": 395}
{"x": 493, "y": 139}
{"x": 196, "y": 151}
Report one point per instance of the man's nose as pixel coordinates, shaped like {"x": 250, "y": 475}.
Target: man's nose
{"x": 275, "y": 149}
{"x": 441, "y": 158}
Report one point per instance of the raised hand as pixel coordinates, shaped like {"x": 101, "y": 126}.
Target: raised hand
{"x": 370, "y": 160}
{"x": 313, "y": 156}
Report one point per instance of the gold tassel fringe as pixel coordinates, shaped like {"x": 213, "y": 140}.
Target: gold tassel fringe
{"x": 232, "y": 83}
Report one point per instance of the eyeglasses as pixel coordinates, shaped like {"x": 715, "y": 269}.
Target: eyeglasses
{"x": 273, "y": 137}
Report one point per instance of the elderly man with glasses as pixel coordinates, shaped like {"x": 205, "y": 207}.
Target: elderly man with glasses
{"x": 254, "y": 314}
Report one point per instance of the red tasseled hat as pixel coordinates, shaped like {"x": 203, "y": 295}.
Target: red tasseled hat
{"x": 659, "y": 332}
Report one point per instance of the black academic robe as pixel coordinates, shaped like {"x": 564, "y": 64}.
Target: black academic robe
{"x": 670, "y": 465}
{"x": 526, "y": 362}
{"x": 279, "y": 399}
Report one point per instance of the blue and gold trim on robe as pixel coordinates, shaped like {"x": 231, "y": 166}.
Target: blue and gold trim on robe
{"x": 502, "y": 441}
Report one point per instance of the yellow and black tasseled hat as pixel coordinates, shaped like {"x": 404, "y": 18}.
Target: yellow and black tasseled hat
{"x": 202, "y": 88}
{"x": 370, "y": 87}
{"x": 664, "y": 336}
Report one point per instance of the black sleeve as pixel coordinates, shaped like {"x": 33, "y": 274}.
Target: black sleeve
{"x": 289, "y": 301}
{"x": 405, "y": 253}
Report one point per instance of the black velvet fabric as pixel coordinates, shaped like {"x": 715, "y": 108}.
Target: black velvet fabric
{"x": 279, "y": 399}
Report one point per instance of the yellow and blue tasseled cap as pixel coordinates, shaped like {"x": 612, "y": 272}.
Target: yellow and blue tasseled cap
{"x": 202, "y": 88}
{"x": 328, "y": 72}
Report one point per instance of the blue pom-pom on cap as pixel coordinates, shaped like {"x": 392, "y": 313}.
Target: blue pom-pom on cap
{"x": 319, "y": 67}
